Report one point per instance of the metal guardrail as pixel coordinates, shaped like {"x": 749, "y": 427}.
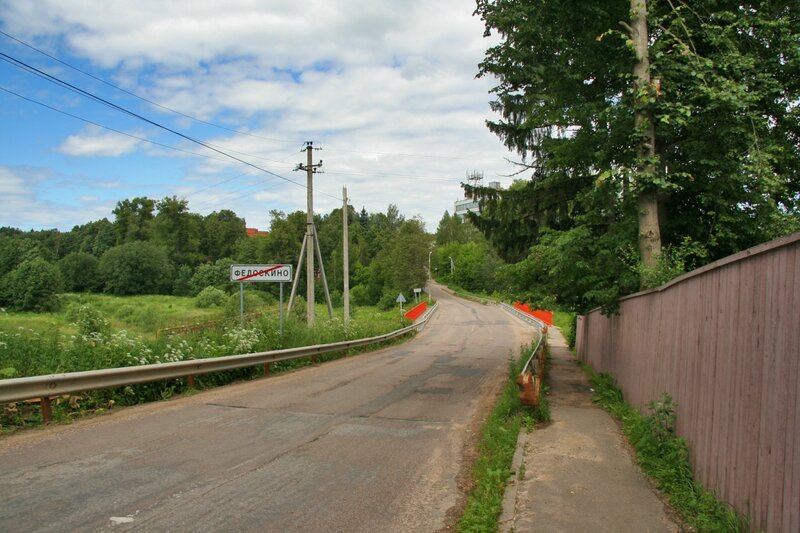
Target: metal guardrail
{"x": 19, "y": 389}
{"x": 541, "y": 326}
{"x": 542, "y": 336}
{"x": 530, "y": 319}
{"x": 524, "y": 316}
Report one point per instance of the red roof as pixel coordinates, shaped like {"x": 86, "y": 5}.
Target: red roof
{"x": 252, "y": 232}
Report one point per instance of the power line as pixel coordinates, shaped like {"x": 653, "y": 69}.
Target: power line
{"x": 57, "y": 81}
{"x": 143, "y": 139}
{"x": 215, "y": 125}
{"x": 142, "y": 98}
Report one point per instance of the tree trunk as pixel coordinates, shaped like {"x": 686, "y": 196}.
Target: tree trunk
{"x": 647, "y": 200}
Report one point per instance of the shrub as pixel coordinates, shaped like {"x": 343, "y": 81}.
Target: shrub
{"x": 388, "y": 300}
{"x": 253, "y": 301}
{"x": 215, "y": 274}
{"x": 181, "y": 285}
{"x": 360, "y": 295}
{"x": 79, "y": 270}
{"x": 89, "y": 320}
{"x": 34, "y": 286}
{"x": 210, "y": 297}
{"x": 136, "y": 268}
{"x": 299, "y": 308}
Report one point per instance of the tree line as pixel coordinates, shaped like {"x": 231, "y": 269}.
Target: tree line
{"x": 161, "y": 247}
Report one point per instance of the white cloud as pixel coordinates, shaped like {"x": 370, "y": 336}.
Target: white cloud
{"x": 94, "y": 142}
{"x": 366, "y": 81}
{"x": 25, "y": 203}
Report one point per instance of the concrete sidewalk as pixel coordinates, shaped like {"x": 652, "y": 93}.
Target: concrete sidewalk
{"x": 577, "y": 473}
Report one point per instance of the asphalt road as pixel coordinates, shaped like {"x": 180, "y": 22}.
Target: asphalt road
{"x": 377, "y": 442}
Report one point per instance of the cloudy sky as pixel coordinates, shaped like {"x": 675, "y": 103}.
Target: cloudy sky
{"x": 386, "y": 89}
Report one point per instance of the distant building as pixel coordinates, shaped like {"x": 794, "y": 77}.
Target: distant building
{"x": 254, "y": 232}
{"x": 469, "y": 205}
{"x": 462, "y": 207}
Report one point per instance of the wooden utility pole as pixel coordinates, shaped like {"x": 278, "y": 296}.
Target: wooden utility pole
{"x": 309, "y": 236}
{"x": 309, "y": 241}
{"x": 346, "y": 255}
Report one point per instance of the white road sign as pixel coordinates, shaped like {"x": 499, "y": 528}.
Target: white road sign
{"x": 249, "y": 273}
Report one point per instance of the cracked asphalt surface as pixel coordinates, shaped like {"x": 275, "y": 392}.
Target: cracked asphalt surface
{"x": 376, "y": 442}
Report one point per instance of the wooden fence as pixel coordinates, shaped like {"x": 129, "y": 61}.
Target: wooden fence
{"x": 724, "y": 342}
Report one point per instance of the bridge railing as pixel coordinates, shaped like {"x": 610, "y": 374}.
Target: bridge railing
{"x": 531, "y": 376}
{"x": 47, "y": 386}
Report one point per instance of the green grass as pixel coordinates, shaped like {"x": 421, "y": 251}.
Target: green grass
{"x": 496, "y": 447}
{"x": 142, "y": 315}
{"x": 663, "y": 456}
{"x": 565, "y": 321}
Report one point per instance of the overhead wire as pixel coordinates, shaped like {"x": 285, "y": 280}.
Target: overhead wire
{"x": 150, "y": 141}
{"x": 208, "y": 145}
{"x": 142, "y": 98}
{"x": 93, "y": 123}
{"x": 220, "y": 126}
{"x": 57, "y": 81}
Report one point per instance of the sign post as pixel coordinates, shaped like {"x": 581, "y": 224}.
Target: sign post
{"x": 241, "y": 305}
{"x": 260, "y": 273}
{"x": 401, "y": 300}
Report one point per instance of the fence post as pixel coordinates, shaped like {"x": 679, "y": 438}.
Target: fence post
{"x": 47, "y": 410}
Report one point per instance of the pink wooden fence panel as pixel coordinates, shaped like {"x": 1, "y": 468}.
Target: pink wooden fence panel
{"x": 724, "y": 341}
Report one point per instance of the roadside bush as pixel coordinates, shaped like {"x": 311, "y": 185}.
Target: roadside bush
{"x": 253, "y": 301}
{"x": 79, "y": 270}
{"x": 89, "y": 320}
{"x": 336, "y": 298}
{"x": 388, "y": 300}
{"x": 210, "y": 297}
{"x": 299, "y": 308}
{"x": 136, "y": 268}
{"x": 216, "y": 274}
{"x": 181, "y": 286}
{"x": 360, "y": 295}
{"x": 33, "y": 286}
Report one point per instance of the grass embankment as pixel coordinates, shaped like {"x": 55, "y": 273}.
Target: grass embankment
{"x": 664, "y": 457}
{"x": 92, "y": 342}
{"x": 496, "y": 447}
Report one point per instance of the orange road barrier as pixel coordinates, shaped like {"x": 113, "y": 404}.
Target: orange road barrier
{"x": 541, "y": 314}
{"x": 415, "y": 312}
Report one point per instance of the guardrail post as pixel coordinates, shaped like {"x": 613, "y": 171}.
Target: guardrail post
{"x": 266, "y": 369}
{"x": 47, "y": 409}
{"x": 529, "y": 388}
{"x": 190, "y": 381}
